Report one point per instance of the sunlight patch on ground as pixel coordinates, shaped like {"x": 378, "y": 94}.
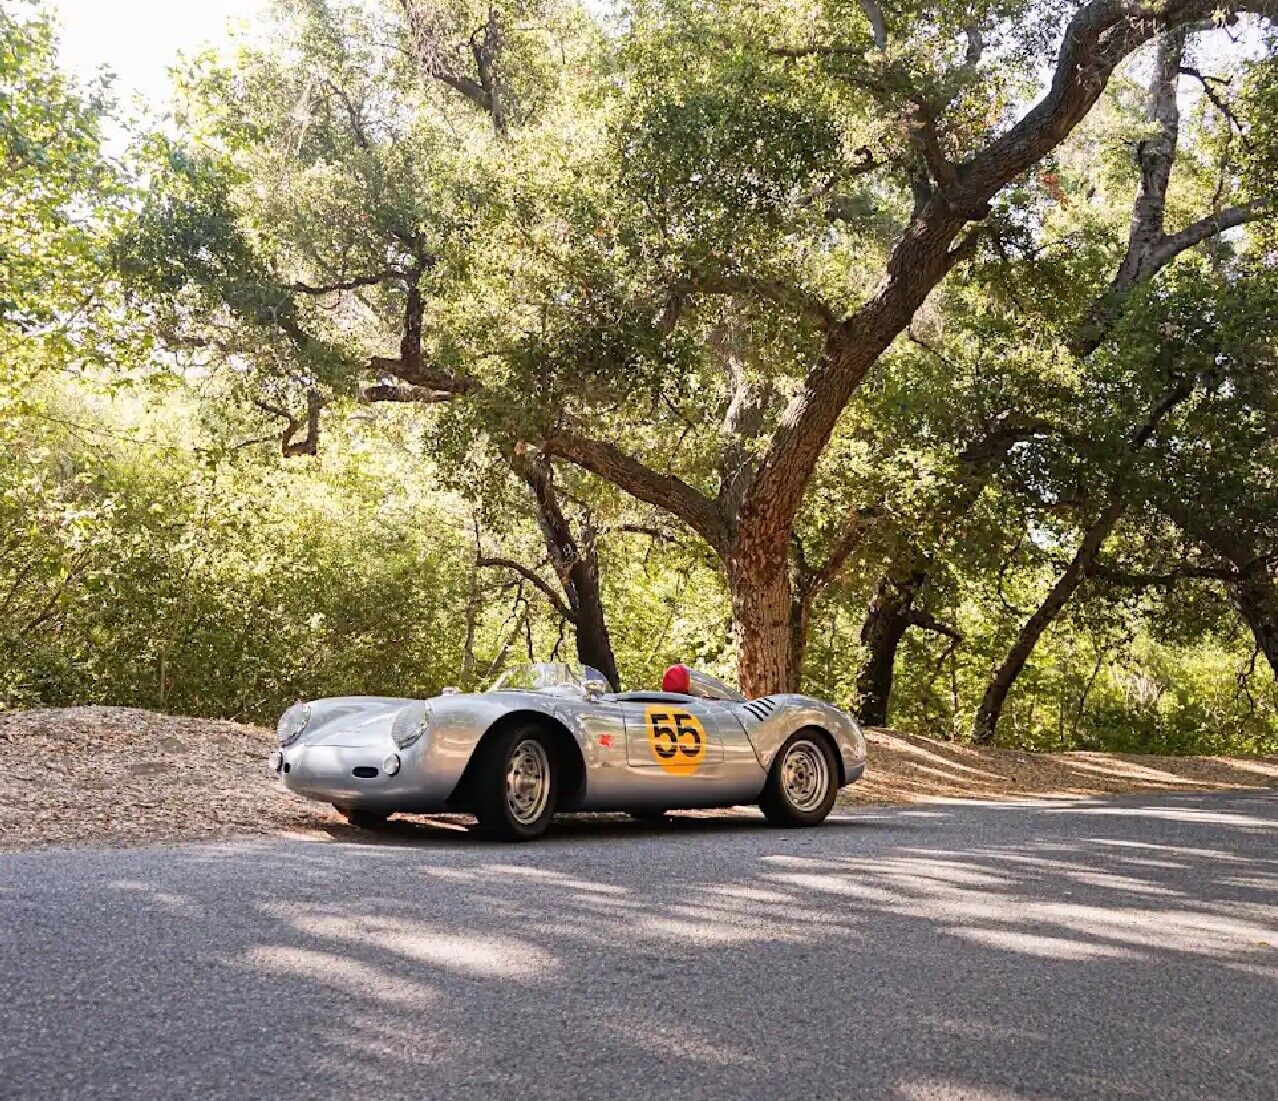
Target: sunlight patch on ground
{"x": 935, "y": 1089}
{"x": 1106, "y": 765}
{"x": 748, "y": 894}
{"x": 1218, "y": 855}
{"x": 1267, "y": 769}
{"x": 975, "y": 902}
{"x": 340, "y": 972}
{"x": 554, "y": 879}
{"x": 1182, "y": 814}
{"x": 901, "y": 745}
{"x": 482, "y": 956}
{"x": 1035, "y": 944}
{"x": 170, "y": 903}
{"x": 684, "y": 1041}
{"x": 1116, "y": 882}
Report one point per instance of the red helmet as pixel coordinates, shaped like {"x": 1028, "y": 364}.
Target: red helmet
{"x": 678, "y": 678}
{"x": 688, "y": 682}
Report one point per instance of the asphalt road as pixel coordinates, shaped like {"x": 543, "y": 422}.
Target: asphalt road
{"x": 1116, "y": 948}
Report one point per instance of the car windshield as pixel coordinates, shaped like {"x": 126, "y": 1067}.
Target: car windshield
{"x": 546, "y": 676}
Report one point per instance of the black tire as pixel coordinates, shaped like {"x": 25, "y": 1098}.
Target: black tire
{"x": 498, "y": 817}
{"x": 364, "y": 819}
{"x": 650, "y": 816}
{"x": 780, "y": 803}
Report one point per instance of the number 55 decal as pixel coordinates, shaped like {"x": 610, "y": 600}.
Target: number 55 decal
{"x": 677, "y": 739}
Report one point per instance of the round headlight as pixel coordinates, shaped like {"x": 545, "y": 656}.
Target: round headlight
{"x": 292, "y": 723}
{"x": 857, "y": 738}
{"x": 410, "y": 724}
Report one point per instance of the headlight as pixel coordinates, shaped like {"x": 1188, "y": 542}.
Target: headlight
{"x": 292, "y": 723}
{"x": 410, "y": 724}
{"x": 858, "y": 738}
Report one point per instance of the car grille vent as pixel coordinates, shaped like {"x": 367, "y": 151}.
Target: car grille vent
{"x": 761, "y": 708}
{"x": 364, "y": 772}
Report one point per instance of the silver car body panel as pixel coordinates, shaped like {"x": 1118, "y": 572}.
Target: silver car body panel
{"x": 641, "y": 750}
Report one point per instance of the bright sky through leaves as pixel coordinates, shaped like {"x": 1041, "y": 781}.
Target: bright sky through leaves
{"x": 139, "y": 40}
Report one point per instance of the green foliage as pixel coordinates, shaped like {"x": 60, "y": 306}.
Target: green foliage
{"x": 58, "y": 197}
{"x": 666, "y": 205}
{"x": 147, "y": 572}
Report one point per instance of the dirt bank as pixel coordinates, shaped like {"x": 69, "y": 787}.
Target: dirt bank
{"x": 117, "y": 776}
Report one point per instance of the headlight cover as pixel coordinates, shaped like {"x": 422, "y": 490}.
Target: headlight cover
{"x": 410, "y": 724}
{"x": 292, "y": 723}
{"x": 858, "y": 737}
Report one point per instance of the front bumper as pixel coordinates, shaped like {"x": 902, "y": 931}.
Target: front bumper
{"x": 357, "y": 776}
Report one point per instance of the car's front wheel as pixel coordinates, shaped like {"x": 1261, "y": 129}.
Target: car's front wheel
{"x": 803, "y": 781}
{"x": 517, "y": 784}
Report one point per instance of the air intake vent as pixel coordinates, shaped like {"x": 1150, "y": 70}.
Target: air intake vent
{"x": 364, "y": 772}
{"x": 762, "y": 708}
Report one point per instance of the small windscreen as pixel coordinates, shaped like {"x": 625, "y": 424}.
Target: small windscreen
{"x": 542, "y": 676}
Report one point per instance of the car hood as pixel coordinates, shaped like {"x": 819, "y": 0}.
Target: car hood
{"x": 352, "y": 720}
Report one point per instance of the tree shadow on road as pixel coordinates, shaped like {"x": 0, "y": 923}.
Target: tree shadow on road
{"x": 426, "y": 831}
{"x": 1104, "y": 948}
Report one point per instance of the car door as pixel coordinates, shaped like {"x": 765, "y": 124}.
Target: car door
{"x": 684, "y": 752}
{"x": 674, "y": 735}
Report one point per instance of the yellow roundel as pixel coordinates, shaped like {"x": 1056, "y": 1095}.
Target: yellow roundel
{"x": 676, "y": 738}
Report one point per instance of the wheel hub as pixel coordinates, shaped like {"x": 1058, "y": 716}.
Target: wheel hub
{"x": 805, "y": 776}
{"x": 528, "y": 782}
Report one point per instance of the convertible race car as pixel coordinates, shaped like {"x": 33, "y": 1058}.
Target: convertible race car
{"x": 547, "y": 738}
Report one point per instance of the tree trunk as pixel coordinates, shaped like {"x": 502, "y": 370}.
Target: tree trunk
{"x": 763, "y": 625}
{"x": 594, "y": 643}
{"x": 1001, "y": 680}
{"x": 577, "y": 564}
{"x": 892, "y": 613}
{"x": 889, "y": 617}
{"x": 1254, "y": 591}
{"x": 800, "y": 612}
{"x": 1257, "y": 598}
{"x": 1003, "y": 677}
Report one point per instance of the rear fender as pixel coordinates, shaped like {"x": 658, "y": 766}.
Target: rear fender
{"x": 770, "y": 721}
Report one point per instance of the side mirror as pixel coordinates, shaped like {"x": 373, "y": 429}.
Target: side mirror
{"x": 596, "y": 688}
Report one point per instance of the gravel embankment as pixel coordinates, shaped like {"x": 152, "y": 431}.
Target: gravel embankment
{"x": 119, "y": 776}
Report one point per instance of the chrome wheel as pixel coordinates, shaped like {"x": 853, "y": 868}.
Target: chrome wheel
{"x": 527, "y": 781}
{"x": 805, "y": 776}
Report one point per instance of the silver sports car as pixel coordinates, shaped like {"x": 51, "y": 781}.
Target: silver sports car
{"x": 549, "y": 738}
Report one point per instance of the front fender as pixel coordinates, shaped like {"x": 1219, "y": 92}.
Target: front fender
{"x": 459, "y": 723}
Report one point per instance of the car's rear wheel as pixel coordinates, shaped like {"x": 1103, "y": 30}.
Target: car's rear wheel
{"x": 516, "y": 784}
{"x": 803, "y": 781}
{"x": 364, "y": 819}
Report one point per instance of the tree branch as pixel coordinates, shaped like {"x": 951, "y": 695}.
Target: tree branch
{"x": 482, "y": 92}
{"x": 1132, "y": 579}
{"x": 1149, "y": 247}
{"x": 928, "y": 622}
{"x": 420, "y": 395}
{"x": 854, "y": 533}
{"x": 1221, "y": 105}
{"x": 752, "y": 286}
{"x": 290, "y": 444}
{"x": 1212, "y": 225}
{"x": 535, "y": 579}
{"x": 878, "y": 27}
{"x": 354, "y": 283}
{"x": 665, "y": 491}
